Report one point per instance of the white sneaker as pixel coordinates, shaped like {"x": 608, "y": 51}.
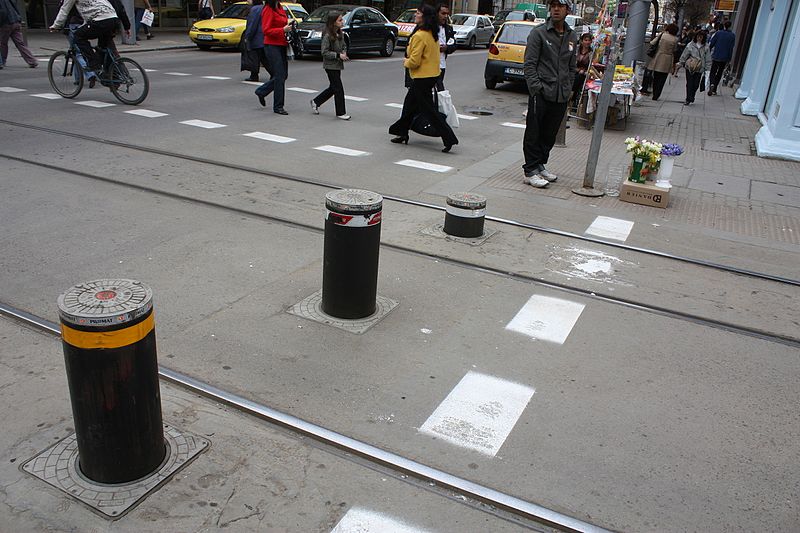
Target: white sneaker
{"x": 314, "y": 108}
{"x": 546, "y": 174}
{"x": 343, "y": 117}
{"x": 536, "y": 181}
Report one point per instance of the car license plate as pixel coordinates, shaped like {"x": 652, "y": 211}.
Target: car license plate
{"x": 205, "y": 37}
{"x": 515, "y": 71}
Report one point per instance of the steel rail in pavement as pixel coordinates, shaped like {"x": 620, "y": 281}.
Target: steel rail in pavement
{"x": 501, "y": 500}
{"x": 399, "y": 199}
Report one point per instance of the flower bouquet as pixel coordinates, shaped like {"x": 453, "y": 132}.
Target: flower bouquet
{"x": 669, "y": 152}
{"x": 646, "y": 158}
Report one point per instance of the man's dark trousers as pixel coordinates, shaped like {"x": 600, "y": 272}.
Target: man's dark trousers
{"x": 717, "y": 68}
{"x": 541, "y": 128}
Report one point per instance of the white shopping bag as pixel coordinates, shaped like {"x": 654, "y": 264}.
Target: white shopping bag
{"x": 147, "y": 17}
{"x": 447, "y": 108}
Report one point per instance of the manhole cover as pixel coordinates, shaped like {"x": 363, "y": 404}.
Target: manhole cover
{"x": 311, "y": 309}
{"x": 480, "y": 111}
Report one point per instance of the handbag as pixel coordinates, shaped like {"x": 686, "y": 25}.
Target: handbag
{"x": 447, "y": 108}
{"x": 703, "y": 83}
{"x": 147, "y": 17}
{"x": 693, "y": 64}
{"x": 651, "y": 52}
{"x": 422, "y": 124}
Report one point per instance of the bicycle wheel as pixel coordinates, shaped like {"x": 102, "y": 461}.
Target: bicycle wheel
{"x": 129, "y": 81}
{"x": 65, "y": 74}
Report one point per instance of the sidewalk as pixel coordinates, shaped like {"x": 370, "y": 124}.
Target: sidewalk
{"x": 43, "y": 42}
{"x": 718, "y": 182}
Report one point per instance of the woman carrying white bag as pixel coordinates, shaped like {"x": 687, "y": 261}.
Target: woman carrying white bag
{"x": 447, "y": 108}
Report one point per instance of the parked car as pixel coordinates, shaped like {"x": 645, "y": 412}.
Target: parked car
{"x": 225, "y": 30}
{"x": 507, "y": 53}
{"x": 578, "y": 24}
{"x": 405, "y": 25}
{"x": 472, "y": 30}
{"x": 507, "y": 15}
{"x": 366, "y": 29}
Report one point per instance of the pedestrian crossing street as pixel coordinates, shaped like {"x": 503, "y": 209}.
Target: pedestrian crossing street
{"x": 423, "y": 166}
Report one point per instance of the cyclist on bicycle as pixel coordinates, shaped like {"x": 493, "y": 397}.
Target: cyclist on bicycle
{"x": 100, "y": 21}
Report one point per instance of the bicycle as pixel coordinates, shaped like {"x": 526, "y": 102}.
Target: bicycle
{"x": 125, "y": 77}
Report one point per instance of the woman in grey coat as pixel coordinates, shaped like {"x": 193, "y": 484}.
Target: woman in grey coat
{"x": 696, "y": 59}
{"x": 333, "y": 57}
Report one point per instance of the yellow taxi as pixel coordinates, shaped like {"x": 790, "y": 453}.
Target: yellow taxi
{"x": 225, "y": 30}
{"x": 405, "y": 25}
{"x": 507, "y": 53}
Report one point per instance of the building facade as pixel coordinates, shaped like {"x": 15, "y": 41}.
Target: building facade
{"x": 769, "y": 83}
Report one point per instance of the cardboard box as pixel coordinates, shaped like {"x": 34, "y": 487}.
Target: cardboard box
{"x": 644, "y": 194}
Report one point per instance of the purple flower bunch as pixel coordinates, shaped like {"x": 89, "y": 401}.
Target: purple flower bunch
{"x": 671, "y": 150}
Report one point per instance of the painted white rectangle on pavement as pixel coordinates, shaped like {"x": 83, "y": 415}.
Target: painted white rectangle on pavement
{"x": 302, "y": 90}
{"x": 393, "y": 104}
{"x": 546, "y": 318}
{"x": 467, "y": 117}
{"x": 252, "y": 82}
{"x": 358, "y": 520}
{"x": 355, "y": 98}
{"x": 216, "y": 77}
{"x": 177, "y": 74}
{"x": 423, "y": 165}
{"x": 513, "y": 125}
{"x": 479, "y": 413}
{"x": 610, "y": 228}
{"x": 48, "y": 96}
{"x": 11, "y": 90}
{"x": 269, "y": 137}
{"x": 341, "y": 150}
{"x": 146, "y": 113}
{"x": 95, "y": 103}
{"x": 151, "y": 70}
{"x": 203, "y": 124}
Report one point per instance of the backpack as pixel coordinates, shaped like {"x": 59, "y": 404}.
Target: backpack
{"x": 693, "y": 64}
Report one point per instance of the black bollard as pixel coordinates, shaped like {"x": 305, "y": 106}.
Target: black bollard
{"x": 350, "y": 263}
{"x": 465, "y": 214}
{"x": 109, "y": 340}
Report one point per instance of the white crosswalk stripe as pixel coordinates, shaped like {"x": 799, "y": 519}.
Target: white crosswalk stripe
{"x": 202, "y": 124}
{"x": 146, "y": 113}
{"x": 340, "y": 150}
{"x": 302, "y": 90}
{"x": 11, "y": 90}
{"x": 95, "y": 103}
{"x": 423, "y": 165}
{"x": 47, "y": 96}
{"x": 269, "y": 137}
{"x": 513, "y": 125}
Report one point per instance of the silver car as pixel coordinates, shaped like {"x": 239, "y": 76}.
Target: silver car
{"x": 472, "y": 30}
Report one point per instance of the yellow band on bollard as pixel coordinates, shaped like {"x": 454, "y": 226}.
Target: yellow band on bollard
{"x": 108, "y": 339}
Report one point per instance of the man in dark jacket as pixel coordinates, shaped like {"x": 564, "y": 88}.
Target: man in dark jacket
{"x": 11, "y": 27}
{"x": 549, "y": 69}
{"x": 447, "y": 41}
{"x": 721, "y": 52}
{"x": 253, "y": 39}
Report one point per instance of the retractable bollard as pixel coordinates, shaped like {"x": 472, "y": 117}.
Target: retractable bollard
{"x": 465, "y": 214}
{"x": 352, "y": 242}
{"x": 109, "y": 340}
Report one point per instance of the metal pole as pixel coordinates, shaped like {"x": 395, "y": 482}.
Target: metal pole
{"x": 638, "y": 13}
{"x": 109, "y": 340}
{"x": 465, "y": 215}
{"x": 350, "y": 263}
{"x": 599, "y": 123}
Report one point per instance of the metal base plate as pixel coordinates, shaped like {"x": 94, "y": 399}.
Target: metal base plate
{"x": 437, "y": 230}
{"x": 58, "y": 466}
{"x": 311, "y": 308}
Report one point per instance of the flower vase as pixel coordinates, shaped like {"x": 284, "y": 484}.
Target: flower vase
{"x": 636, "y": 170}
{"x": 665, "y": 172}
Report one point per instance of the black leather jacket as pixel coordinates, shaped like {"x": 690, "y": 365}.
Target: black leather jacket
{"x": 550, "y": 62}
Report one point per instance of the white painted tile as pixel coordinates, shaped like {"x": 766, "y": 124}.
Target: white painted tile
{"x": 151, "y": 70}
{"x": 48, "y": 96}
{"x": 423, "y": 165}
{"x": 467, "y": 117}
{"x": 546, "y": 318}
{"x": 146, "y": 113}
{"x": 610, "y": 228}
{"x": 177, "y": 74}
{"x": 95, "y": 103}
{"x": 355, "y": 98}
{"x": 253, "y": 82}
{"x": 11, "y": 90}
{"x": 269, "y": 137}
{"x": 340, "y": 150}
{"x": 513, "y": 125}
{"x": 358, "y": 520}
{"x": 479, "y": 413}
{"x": 203, "y": 124}
{"x": 302, "y": 90}
{"x": 216, "y": 77}
{"x": 393, "y": 104}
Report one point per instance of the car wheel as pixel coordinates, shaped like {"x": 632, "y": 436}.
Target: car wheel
{"x": 471, "y": 44}
{"x": 491, "y": 83}
{"x": 388, "y": 47}
{"x": 203, "y": 47}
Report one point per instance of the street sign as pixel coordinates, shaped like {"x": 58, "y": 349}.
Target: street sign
{"x": 725, "y": 5}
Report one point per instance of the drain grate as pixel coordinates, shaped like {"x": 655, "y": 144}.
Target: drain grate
{"x": 479, "y": 111}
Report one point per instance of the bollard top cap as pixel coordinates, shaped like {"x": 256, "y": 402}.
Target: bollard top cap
{"x": 466, "y": 200}
{"x": 105, "y": 302}
{"x": 353, "y": 201}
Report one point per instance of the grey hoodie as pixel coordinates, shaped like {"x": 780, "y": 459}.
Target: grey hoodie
{"x": 550, "y": 62}
{"x": 90, "y": 10}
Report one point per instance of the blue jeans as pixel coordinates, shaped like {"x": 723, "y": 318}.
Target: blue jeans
{"x": 279, "y": 71}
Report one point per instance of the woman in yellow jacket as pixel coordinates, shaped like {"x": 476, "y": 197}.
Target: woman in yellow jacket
{"x": 422, "y": 63}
